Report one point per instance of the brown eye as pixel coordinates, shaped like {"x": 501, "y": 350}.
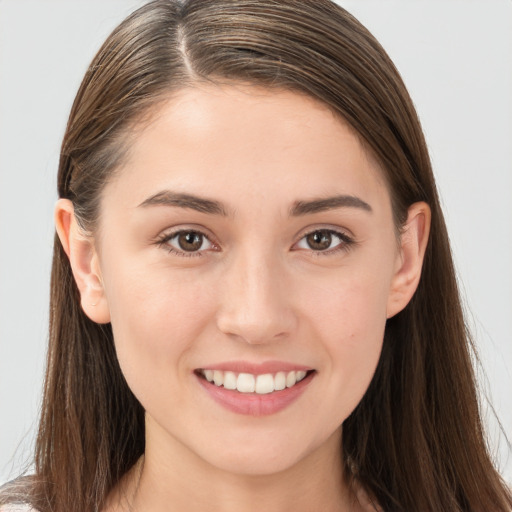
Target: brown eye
{"x": 319, "y": 240}
{"x": 190, "y": 241}
{"x": 326, "y": 241}
{"x": 183, "y": 242}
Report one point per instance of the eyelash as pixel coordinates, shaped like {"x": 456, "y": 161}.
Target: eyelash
{"x": 164, "y": 240}
{"x": 346, "y": 242}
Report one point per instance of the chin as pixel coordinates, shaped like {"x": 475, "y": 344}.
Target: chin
{"x": 257, "y": 465}
{"x": 259, "y": 457}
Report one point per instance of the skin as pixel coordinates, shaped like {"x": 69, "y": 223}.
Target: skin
{"x": 255, "y": 291}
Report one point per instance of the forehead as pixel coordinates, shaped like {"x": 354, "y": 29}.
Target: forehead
{"x": 247, "y": 140}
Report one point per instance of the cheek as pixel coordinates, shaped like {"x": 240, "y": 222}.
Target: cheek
{"x": 350, "y": 308}
{"x": 350, "y": 320}
{"x": 155, "y": 317}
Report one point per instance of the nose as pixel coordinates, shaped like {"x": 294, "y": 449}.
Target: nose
{"x": 256, "y": 300}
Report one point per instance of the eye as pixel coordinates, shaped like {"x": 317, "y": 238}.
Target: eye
{"x": 324, "y": 240}
{"x": 186, "y": 241}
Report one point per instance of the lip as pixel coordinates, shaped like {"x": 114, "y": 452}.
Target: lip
{"x": 254, "y": 404}
{"x": 257, "y": 368}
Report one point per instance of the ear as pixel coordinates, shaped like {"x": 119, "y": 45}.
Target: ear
{"x": 84, "y": 262}
{"x": 413, "y": 243}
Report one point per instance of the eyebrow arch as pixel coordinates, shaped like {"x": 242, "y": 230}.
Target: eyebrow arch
{"x": 200, "y": 204}
{"x": 328, "y": 203}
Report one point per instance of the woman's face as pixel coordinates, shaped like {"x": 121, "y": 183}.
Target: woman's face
{"x": 248, "y": 237}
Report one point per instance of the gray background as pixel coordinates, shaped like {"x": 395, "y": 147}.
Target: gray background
{"x": 455, "y": 57}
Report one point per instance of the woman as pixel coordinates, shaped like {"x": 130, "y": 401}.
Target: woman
{"x": 253, "y": 299}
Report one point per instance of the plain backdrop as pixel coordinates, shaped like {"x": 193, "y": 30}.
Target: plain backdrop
{"x": 456, "y": 59}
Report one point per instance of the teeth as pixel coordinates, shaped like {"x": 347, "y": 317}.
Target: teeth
{"x": 230, "y": 380}
{"x": 218, "y": 377}
{"x": 264, "y": 384}
{"x": 245, "y": 383}
{"x": 300, "y": 375}
{"x": 248, "y": 383}
{"x": 280, "y": 381}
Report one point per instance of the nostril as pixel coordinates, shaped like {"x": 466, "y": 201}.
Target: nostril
{"x": 258, "y": 328}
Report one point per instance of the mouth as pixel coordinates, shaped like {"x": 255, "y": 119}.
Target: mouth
{"x": 255, "y": 384}
{"x": 255, "y": 389}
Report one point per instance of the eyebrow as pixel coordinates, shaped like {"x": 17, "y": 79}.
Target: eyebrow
{"x": 328, "y": 203}
{"x": 200, "y": 204}
{"x": 210, "y": 206}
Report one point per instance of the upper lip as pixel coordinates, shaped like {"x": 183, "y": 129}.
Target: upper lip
{"x": 256, "y": 368}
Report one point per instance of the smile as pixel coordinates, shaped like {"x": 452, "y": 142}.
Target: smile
{"x": 248, "y": 383}
{"x": 255, "y": 390}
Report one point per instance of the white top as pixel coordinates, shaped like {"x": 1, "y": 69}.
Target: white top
{"x": 16, "y": 508}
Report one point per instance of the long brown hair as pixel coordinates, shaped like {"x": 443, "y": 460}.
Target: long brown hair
{"x": 415, "y": 442}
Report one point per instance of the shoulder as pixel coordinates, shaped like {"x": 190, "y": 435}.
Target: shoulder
{"x": 14, "y": 495}
{"x": 15, "y": 507}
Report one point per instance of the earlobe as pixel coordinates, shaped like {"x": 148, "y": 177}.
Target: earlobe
{"x": 84, "y": 262}
{"x": 413, "y": 244}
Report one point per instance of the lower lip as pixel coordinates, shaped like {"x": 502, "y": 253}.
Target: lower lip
{"x": 253, "y": 404}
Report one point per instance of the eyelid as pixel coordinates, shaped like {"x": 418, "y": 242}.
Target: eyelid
{"x": 346, "y": 237}
{"x": 162, "y": 240}
{"x": 334, "y": 228}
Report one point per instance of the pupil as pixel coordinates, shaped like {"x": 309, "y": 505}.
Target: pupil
{"x": 190, "y": 241}
{"x": 319, "y": 240}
